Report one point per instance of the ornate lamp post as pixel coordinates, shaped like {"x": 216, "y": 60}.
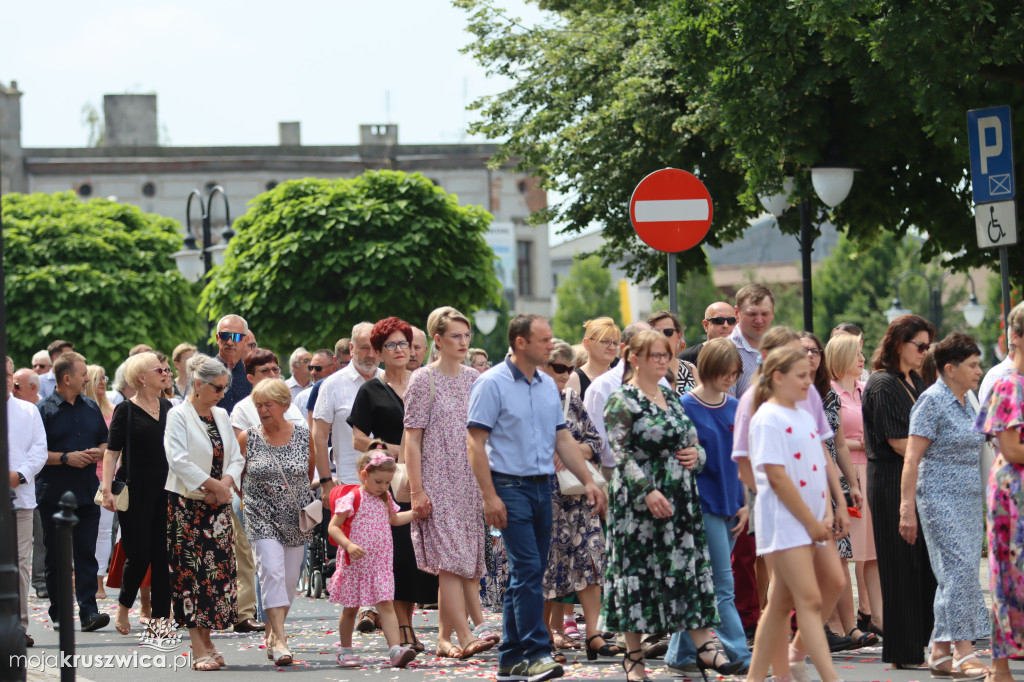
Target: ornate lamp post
{"x": 974, "y": 312}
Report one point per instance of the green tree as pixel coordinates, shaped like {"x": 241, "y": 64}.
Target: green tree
{"x": 743, "y": 93}
{"x": 313, "y": 256}
{"x": 585, "y": 294}
{"x": 692, "y": 298}
{"x": 97, "y": 273}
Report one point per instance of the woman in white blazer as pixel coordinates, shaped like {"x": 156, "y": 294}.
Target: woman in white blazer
{"x": 204, "y": 463}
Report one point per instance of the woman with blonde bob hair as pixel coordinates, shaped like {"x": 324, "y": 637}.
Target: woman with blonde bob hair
{"x": 601, "y": 343}
{"x": 658, "y": 576}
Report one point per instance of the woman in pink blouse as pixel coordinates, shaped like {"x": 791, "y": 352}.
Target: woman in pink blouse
{"x": 845, "y": 363}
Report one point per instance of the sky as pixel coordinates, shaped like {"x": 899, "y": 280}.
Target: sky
{"x": 226, "y": 72}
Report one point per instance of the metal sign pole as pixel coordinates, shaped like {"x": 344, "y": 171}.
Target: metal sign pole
{"x": 673, "y": 287}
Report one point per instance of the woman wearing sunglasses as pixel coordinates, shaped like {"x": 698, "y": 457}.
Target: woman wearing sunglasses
{"x": 576, "y": 555}
{"x": 682, "y": 375}
{"x": 904, "y": 571}
{"x": 205, "y": 465}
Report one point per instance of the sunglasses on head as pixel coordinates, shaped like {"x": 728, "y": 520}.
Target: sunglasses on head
{"x": 559, "y": 368}
{"x": 721, "y": 320}
{"x": 230, "y": 336}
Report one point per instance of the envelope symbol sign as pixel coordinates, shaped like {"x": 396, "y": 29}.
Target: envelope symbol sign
{"x": 999, "y": 184}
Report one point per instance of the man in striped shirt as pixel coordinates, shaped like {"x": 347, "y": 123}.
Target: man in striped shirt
{"x": 755, "y": 310}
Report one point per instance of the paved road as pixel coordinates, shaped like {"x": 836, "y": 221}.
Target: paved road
{"x": 313, "y": 625}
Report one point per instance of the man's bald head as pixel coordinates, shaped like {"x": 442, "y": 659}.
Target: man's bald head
{"x": 719, "y": 320}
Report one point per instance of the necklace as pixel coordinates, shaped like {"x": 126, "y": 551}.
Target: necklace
{"x": 653, "y": 397}
{"x": 153, "y": 411}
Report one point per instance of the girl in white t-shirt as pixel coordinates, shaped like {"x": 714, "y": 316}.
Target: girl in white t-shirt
{"x": 793, "y": 519}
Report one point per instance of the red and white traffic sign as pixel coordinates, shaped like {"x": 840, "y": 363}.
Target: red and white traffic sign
{"x": 671, "y": 210}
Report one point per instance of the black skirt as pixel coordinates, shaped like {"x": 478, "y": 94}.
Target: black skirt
{"x": 411, "y": 584}
{"x": 904, "y": 570}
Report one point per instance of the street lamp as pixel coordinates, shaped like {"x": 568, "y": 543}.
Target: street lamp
{"x": 485, "y": 320}
{"x": 195, "y": 263}
{"x": 974, "y": 312}
{"x": 832, "y": 183}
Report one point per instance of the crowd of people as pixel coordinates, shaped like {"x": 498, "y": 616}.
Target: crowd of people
{"x": 689, "y": 500}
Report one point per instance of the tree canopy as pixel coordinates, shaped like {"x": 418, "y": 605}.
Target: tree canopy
{"x": 96, "y": 273}
{"x": 585, "y": 294}
{"x": 313, "y": 257}
{"x": 743, "y": 93}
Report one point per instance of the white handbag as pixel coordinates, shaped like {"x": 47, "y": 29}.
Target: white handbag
{"x": 568, "y": 484}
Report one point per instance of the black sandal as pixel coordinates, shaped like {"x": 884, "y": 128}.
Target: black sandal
{"x": 863, "y": 621}
{"x": 634, "y": 662}
{"x": 728, "y": 668}
{"x": 415, "y": 644}
{"x": 556, "y": 654}
{"x": 605, "y": 649}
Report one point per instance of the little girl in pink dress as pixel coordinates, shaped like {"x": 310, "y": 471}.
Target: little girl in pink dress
{"x": 365, "y": 575}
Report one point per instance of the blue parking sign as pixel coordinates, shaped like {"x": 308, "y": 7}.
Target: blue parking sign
{"x": 991, "y": 141}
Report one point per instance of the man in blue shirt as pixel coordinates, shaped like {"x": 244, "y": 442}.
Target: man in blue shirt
{"x": 515, "y": 427}
{"x": 231, "y": 333}
{"x": 76, "y": 437}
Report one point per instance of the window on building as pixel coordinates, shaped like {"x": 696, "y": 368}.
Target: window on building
{"x": 524, "y": 268}
{"x": 85, "y": 190}
{"x": 149, "y": 190}
{"x": 271, "y": 184}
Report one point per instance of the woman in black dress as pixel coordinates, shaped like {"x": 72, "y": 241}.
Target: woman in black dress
{"x": 904, "y": 570}
{"x": 144, "y": 466}
{"x": 378, "y": 412}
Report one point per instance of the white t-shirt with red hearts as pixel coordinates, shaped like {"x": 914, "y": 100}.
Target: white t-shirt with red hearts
{"x": 788, "y": 437}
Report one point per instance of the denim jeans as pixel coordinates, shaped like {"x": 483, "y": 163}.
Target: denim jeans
{"x": 681, "y": 650}
{"x": 527, "y": 536}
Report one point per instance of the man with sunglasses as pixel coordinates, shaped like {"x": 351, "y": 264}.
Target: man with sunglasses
{"x": 719, "y": 321}
{"x": 232, "y": 332}
{"x": 41, "y": 363}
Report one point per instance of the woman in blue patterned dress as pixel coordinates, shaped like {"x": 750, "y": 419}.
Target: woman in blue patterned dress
{"x": 1002, "y": 416}
{"x": 658, "y": 576}
{"x": 576, "y": 556}
{"x": 940, "y": 483}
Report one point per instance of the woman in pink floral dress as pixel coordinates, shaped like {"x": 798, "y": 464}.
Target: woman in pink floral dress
{"x": 1002, "y": 416}
{"x": 448, "y": 531}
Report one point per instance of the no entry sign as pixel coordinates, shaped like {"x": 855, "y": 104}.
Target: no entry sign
{"x": 670, "y": 210}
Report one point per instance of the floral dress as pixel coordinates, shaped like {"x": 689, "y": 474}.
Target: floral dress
{"x": 832, "y": 407}
{"x": 576, "y": 554}
{"x": 452, "y": 538}
{"x": 1003, "y": 412}
{"x": 370, "y": 580}
{"x": 658, "y": 576}
{"x": 201, "y": 555}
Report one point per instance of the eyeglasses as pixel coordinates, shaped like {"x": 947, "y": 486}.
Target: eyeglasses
{"x": 303, "y": 362}
{"x": 230, "y": 336}
{"x": 721, "y": 320}
{"x": 734, "y": 375}
{"x": 659, "y": 357}
{"x": 813, "y": 352}
{"x": 670, "y": 332}
{"x": 559, "y": 368}
{"x": 922, "y": 347}
{"x": 268, "y": 370}
{"x": 342, "y": 364}
{"x": 481, "y": 364}
{"x": 608, "y": 343}
{"x": 396, "y": 345}
{"x": 459, "y": 338}
{"x": 216, "y": 388}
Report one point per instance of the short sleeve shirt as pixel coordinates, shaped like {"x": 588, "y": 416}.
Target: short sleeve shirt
{"x": 741, "y": 436}
{"x": 378, "y": 411}
{"x": 70, "y": 427}
{"x": 334, "y": 405}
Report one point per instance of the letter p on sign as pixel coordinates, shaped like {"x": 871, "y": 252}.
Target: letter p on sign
{"x": 989, "y": 145}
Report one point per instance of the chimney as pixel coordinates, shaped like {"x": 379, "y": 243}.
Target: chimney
{"x": 130, "y": 121}
{"x": 378, "y": 134}
{"x": 288, "y": 134}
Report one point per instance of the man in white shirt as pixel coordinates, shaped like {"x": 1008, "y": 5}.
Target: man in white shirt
{"x": 262, "y": 364}
{"x": 48, "y": 381}
{"x": 755, "y": 310}
{"x": 995, "y": 374}
{"x": 26, "y": 385}
{"x": 26, "y": 445}
{"x": 299, "y": 364}
{"x": 334, "y": 405}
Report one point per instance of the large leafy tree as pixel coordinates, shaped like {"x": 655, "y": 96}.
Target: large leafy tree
{"x": 97, "y": 273}
{"x": 744, "y": 93}
{"x": 312, "y": 257}
{"x": 585, "y": 294}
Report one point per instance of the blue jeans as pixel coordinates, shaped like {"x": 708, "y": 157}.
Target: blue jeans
{"x": 527, "y": 536}
{"x": 680, "y": 649}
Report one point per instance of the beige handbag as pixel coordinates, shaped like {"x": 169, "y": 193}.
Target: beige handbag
{"x": 119, "y": 489}
{"x": 568, "y": 484}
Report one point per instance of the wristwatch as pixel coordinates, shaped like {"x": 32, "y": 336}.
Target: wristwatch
{"x": 64, "y": 458}
{"x": 325, "y": 479}
{"x": 21, "y": 479}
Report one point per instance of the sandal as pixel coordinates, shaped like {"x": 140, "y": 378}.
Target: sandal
{"x": 863, "y": 621}
{"x": 557, "y": 655}
{"x": 634, "y": 662}
{"x": 605, "y": 649}
{"x": 562, "y": 641}
{"x": 860, "y": 640}
{"x": 933, "y": 666}
{"x": 205, "y": 664}
{"x": 217, "y": 656}
{"x": 475, "y": 647}
{"x": 964, "y": 670}
{"x": 414, "y": 643}
{"x": 123, "y": 628}
{"x": 451, "y": 651}
{"x": 727, "y": 668}
{"x": 484, "y": 632}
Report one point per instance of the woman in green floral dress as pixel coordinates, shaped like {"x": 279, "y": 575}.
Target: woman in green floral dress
{"x": 658, "y": 576}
